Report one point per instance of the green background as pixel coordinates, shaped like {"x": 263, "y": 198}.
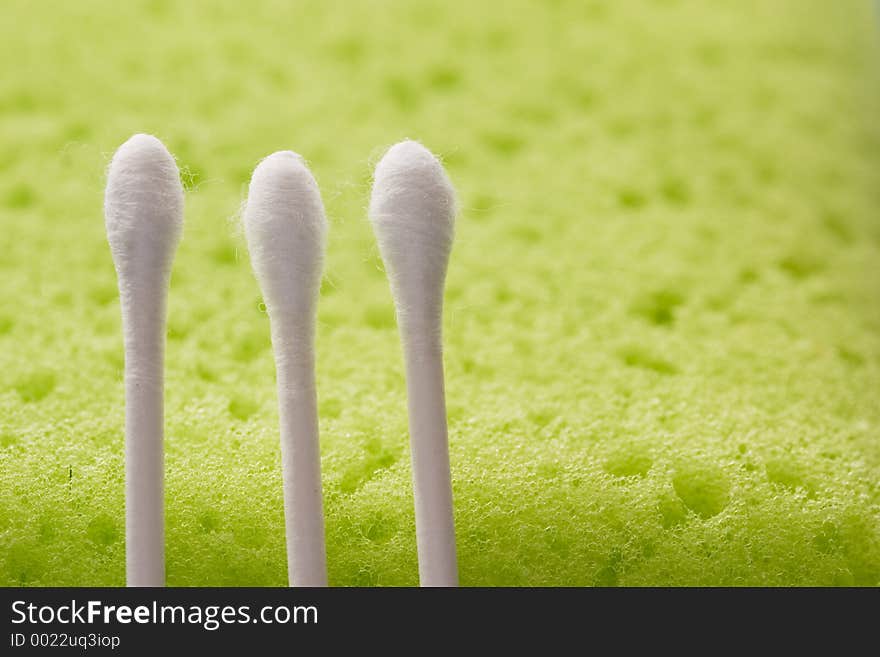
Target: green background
{"x": 662, "y": 323}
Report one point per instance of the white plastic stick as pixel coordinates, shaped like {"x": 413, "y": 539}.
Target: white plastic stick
{"x": 413, "y": 214}
{"x": 285, "y": 228}
{"x": 143, "y": 209}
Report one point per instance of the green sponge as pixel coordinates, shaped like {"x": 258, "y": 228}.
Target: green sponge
{"x": 661, "y": 325}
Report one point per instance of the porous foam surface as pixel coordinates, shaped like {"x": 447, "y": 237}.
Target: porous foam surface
{"x": 662, "y": 329}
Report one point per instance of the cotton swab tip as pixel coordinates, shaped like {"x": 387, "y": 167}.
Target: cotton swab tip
{"x": 144, "y": 196}
{"x": 412, "y": 194}
{"x": 285, "y": 227}
{"x": 412, "y": 210}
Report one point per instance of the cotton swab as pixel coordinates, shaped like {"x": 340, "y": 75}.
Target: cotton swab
{"x": 412, "y": 210}
{"x": 285, "y": 229}
{"x": 143, "y": 208}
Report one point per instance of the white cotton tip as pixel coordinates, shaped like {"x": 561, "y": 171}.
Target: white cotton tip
{"x": 413, "y": 214}
{"x": 143, "y": 204}
{"x": 285, "y": 227}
